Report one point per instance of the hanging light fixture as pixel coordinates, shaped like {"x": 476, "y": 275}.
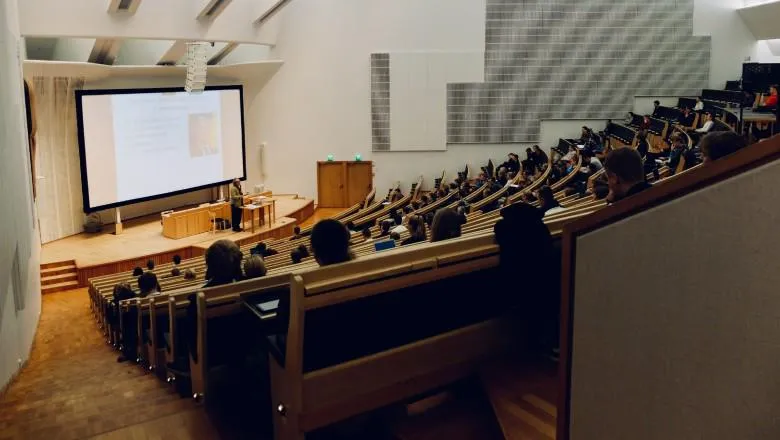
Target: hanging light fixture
{"x": 196, "y": 67}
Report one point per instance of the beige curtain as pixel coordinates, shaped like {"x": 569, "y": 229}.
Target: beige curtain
{"x": 60, "y": 206}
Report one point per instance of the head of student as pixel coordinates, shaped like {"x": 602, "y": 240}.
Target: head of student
{"x": 254, "y": 267}
{"x": 720, "y": 144}
{"x": 297, "y": 230}
{"x": 536, "y": 149}
{"x": 295, "y": 256}
{"x": 656, "y": 103}
{"x": 514, "y": 157}
{"x": 150, "y": 264}
{"x": 417, "y": 227}
{"x": 330, "y": 242}
{"x": 446, "y": 224}
{"x": 707, "y": 116}
{"x": 547, "y": 198}
{"x": 223, "y": 262}
{"x": 303, "y": 250}
{"x": 137, "y": 271}
{"x": 395, "y": 236}
{"x": 624, "y": 169}
{"x": 366, "y": 233}
{"x": 773, "y": 89}
{"x": 147, "y": 284}
{"x": 189, "y": 274}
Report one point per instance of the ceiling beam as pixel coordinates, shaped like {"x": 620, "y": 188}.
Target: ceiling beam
{"x": 222, "y": 53}
{"x": 272, "y": 10}
{"x": 172, "y": 56}
{"x": 211, "y": 9}
{"x": 104, "y": 50}
{"x": 123, "y": 6}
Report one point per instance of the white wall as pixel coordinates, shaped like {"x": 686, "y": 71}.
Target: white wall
{"x": 73, "y": 49}
{"x": 732, "y": 42}
{"x": 155, "y": 19}
{"x": 766, "y": 51}
{"x": 19, "y": 314}
{"x": 141, "y": 51}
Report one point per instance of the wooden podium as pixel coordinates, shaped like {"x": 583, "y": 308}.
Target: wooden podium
{"x": 343, "y": 184}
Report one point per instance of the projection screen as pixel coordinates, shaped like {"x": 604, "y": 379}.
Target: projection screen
{"x": 143, "y": 144}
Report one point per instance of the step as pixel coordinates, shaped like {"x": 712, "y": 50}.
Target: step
{"x": 59, "y": 287}
{"x": 523, "y": 397}
{"x": 58, "y": 264}
{"x": 59, "y": 270}
{"x": 55, "y": 279}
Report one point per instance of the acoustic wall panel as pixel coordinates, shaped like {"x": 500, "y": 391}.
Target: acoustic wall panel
{"x": 380, "y": 101}
{"x": 574, "y": 59}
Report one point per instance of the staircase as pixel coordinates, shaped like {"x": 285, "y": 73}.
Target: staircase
{"x": 59, "y": 276}
{"x": 523, "y": 397}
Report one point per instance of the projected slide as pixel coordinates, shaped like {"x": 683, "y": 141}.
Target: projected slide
{"x": 147, "y": 144}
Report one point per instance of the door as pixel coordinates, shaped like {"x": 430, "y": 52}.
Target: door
{"x": 330, "y": 185}
{"x": 360, "y": 179}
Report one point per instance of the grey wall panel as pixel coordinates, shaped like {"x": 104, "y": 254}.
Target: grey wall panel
{"x": 567, "y": 59}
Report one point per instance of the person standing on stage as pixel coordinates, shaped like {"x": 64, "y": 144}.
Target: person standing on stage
{"x": 236, "y": 202}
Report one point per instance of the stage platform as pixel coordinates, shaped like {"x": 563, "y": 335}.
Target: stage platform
{"x": 105, "y": 253}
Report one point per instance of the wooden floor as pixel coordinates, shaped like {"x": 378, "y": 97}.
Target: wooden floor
{"x": 321, "y": 214}
{"x": 73, "y": 388}
{"x": 143, "y": 236}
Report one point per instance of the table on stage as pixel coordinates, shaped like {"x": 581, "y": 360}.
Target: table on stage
{"x": 193, "y": 221}
{"x": 263, "y": 205}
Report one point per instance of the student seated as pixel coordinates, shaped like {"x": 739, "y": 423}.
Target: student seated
{"x": 446, "y": 225}
{"x": 296, "y": 233}
{"x": 223, "y": 263}
{"x": 696, "y": 134}
{"x": 625, "y": 174}
{"x": 148, "y": 285}
{"x": 189, "y": 274}
{"x": 770, "y": 102}
{"x": 295, "y": 256}
{"x": 678, "y": 151}
{"x": 137, "y": 271}
{"x": 254, "y": 267}
{"x": 416, "y": 230}
{"x": 262, "y": 250}
{"x": 720, "y": 144}
{"x": 547, "y": 202}
{"x": 366, "y": 233}
{"x": 150, "y": 264}
{"x": 175, "y": 271}
{"x": 304, "y": 251}
{"x": 330, "y": 243}
{"x": 395, "y": 236}
{"x": 384, "y": 228}
{"x": 688, "y": 118}
{"x": 123, "y": 291}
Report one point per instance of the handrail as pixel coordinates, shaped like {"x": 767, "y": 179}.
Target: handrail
{"x": 704, "y": 176}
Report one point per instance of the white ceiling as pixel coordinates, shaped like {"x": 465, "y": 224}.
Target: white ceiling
{"x": 763, "y": 19}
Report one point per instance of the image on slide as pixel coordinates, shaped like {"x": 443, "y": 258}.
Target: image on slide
{"x": 204, "y": 140}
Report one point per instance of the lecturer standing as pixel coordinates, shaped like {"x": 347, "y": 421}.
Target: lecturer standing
{"x": 236, "y": 202}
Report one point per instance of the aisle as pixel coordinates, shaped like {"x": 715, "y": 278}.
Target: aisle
{"x": 73, "y": 388}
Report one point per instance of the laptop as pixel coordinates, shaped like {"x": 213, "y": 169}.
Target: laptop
{"x": 384, "y": 245}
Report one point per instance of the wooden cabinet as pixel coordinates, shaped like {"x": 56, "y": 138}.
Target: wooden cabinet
{"x": 343, "y": 184}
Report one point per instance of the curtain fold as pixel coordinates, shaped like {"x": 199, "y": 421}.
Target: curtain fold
{"x": 60, "y": 205}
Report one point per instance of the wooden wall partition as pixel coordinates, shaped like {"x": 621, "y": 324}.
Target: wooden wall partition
{"x": 343, "y": 184}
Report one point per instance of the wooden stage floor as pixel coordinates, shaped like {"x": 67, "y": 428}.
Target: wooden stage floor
{"x": 143, "y": 236}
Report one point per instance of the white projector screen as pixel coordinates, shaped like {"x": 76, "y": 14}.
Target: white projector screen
{"x": 139, "y": 145}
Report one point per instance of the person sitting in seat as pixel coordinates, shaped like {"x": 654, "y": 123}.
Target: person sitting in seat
{"x": 396, "y": 195}
{"x": 642, "y": 145}
{"x": 512, "y": 163}
{"x": 137, "y": 271}
{"x": 384, "y": 228}
{"x": 547, "y": 202}
{"x": 502, "y": 178}
{"x": 395, "y": 236}
{"x": 366, "y": 235}
{"x": 123, "y": 291}
{"x": 688, "y": 118}
{"x": 148, "y": 285}
{"x": 263, "y": 250}
{"x": 540, "y": 158}
{"x": 416, "y": 230}
{"x": 189, "y": 274}
{"x": 175, "y": 271}
{"x": 330, "y": 243}
{"x": 295, "y": 256}
{"x": 446, "y": 225}
{"x": 720, "y": 144}
{"x": 770, "y": 102}
{"x": 656, "y": 110}
{"x": 696, "y": 134}
{"x": 296, "y": 233}
{"x": 625, "y": 174}
{"x": 699, "y": 104}
{"x": 150, "y": 264}
{"x": 223, "y": 263}
{"x": 254, "y": 267}
{"x": 304, "y": 251}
